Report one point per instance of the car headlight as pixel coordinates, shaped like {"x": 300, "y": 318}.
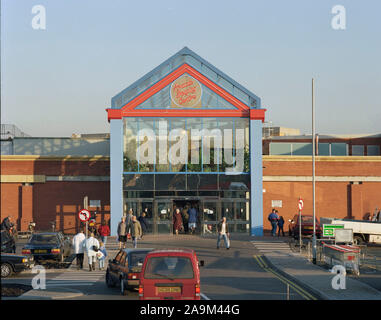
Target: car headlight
{"x": 25, "y": 260}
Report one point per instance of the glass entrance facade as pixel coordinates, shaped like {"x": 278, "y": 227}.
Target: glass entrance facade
{"x": 186, "y": 134}
{"x": 204, "y": 159}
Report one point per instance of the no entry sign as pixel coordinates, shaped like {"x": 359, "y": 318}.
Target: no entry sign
{"x": 300, "y": 204}
{"x": 84, "y": 215}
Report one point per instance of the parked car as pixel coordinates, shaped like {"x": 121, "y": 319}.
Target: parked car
{"x": 48, "y": 246}
{"x": 14, "y": 263}
{"x": 8, "y": 244}
{"x": 125, "y": 269}
{"x": 170, "y": 274}
{"x": 307, "y": 226}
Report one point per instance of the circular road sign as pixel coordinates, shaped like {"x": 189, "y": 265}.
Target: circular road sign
{"x": 84, "y": 215}
{"x": 300, "y": 204}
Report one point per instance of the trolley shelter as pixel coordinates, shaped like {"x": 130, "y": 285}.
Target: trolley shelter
{"x": 184, "y": 135}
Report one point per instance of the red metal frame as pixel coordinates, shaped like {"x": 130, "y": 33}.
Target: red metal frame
{"x": 128, "y": 110}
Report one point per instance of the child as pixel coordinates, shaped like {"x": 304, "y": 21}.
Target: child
{"x": 101, "y": 255}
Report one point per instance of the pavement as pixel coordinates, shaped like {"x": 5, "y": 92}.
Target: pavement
{"x": 315, "y": 278}
{"x": 275, "y": 255}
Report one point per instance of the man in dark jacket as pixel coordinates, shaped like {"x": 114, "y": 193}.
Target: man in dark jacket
{"x": 143, "y": 223}
{"x": 192, "y": 212}
{"x": 273, "y": 218}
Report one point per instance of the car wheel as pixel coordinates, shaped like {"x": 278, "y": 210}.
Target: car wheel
{"x": 123, "y": 289}
{"x": 109, "y": 282}
{"x": 6, "y": 270}
{"x": 358, "y": 240}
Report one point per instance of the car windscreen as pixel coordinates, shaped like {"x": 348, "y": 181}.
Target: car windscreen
{"x": 44, "y": 239}
{"x": 169, "y": 267}
{"x": 136, "y": 259}
{"x": 306, "y": 219}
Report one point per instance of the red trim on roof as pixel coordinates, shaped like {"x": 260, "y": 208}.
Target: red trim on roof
{"x": 128, "y": 110}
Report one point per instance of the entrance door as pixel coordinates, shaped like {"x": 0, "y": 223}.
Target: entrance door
{"x": 210, "y": 216}
{"x": 162, "y": 217}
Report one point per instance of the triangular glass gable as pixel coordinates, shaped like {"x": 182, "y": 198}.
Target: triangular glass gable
{"x": 186, "y": 56}
{"x": 163, "y": 100}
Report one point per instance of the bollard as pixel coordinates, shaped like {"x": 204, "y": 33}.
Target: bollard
{"x": 288, "y": 291}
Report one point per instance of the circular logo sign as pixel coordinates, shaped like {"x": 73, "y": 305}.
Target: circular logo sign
{"x": 186, "y": 92}
{"x": 84, "y": 215}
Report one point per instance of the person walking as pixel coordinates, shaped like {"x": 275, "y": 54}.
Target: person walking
{"x": 128, "y": 221}
{"x": 177, "y": 221}
{"x": 280, "y": 225}
{"x": 143, "y": 223}
{"x": 223, "y": 232}
{"x": 192, "y": 212}
{"x": 101, "y": 255}
{"x": 273, "y": 218}
{"x": 136, "y": 231}
{"x": 122, "y": 232}
{"x": 104, "y": 231}
{"x": 92, "y": 246}
{"x": 78, "y": 242}
{"x": 185, "y": 217}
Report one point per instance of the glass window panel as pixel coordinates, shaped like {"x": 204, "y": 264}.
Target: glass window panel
{"x": 211, "y": 144}
{"x": 357, "y": 150}
{"x": 178, "y": 145}
{"x": 279, "y": 148}
{"x": 147, "y": 144}
{"x": 301, "y": 149}
{"x": 162, "y": 127}
{"x": 170, "y": 182}
{"x": 323, "y": 149}
{"x": 138, "y": 182}
{"x": 339, "y": 149}
{"x": 239, "y": 182}
{"x": 130, "y": 162}
{"x": 202, "y": 182}
{"x": 193, "y": 127}
{"x": 373, "y": 150}
{"x": 227, "y": 211}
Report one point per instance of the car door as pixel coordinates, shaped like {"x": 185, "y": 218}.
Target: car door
{"x": 113, "y": 266}
{"x": 120, "y": 266}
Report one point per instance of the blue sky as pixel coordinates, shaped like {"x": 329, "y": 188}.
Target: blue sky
{"x": 60, "y": 80}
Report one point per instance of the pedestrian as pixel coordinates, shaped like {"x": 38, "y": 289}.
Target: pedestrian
{"x": 280, "y": 225}
{"x": 92, "y": 246}
{"x": 143, "y": 223}
{"x": 101, "y": 255}
{"x": 122, "y": 232}
{"x": 136, "y": 231}
{"x": 177, "y": 221}
{"x": 128, "y": 220}
{"x": 185, "y": 217}
{"x": 192, "y": 212}
{"x": 92, "y": 227}
{"x": 78, "y": 243}
{"x": 104, "y": 231}
{"x": 273, "y": 218}
{"x": 223, "y": 232}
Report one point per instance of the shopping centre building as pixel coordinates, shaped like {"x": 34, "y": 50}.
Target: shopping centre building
{"x": 186, "y": 134}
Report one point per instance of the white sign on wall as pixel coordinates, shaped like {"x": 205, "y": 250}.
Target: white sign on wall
{"x": 95, "y": 203}
{"x": 276, "y": 203}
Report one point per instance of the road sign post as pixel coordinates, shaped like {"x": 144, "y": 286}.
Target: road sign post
{"x": 300, "y": 206}
{"x": 84, "y": 216}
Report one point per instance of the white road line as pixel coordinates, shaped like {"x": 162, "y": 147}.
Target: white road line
{"x": 204, "y": 296}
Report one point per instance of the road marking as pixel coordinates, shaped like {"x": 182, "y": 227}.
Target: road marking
{"x": 204, "y": 296}
{"x": 306, "y": 295}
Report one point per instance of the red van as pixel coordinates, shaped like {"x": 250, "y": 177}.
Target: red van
{"x": 170, "y": 274}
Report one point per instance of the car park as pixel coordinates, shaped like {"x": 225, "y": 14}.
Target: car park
{"x": 125, "y": 269}
{"x": 8, "y": 244}
{"x": 170, "y": 274}
{"x": 46, "y": 246}
{"x": 307, "y": 226}
{"x": 12, "y": 263}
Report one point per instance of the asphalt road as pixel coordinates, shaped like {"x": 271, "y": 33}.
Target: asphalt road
{"x": 227, "y": 275}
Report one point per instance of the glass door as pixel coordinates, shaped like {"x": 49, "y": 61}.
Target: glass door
{"x": 210, "y": 217}
{"x": 162, "y": 217}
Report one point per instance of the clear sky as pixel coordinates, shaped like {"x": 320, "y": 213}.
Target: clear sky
{"x": 60, "y": 80}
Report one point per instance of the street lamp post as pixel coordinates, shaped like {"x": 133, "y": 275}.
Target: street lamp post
{"x": 313, "y": 176}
